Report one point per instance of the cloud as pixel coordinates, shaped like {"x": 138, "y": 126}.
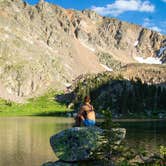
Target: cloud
{"x": 155, "y": 28}
{"x": 164, "y": 0}
{"x": 163, "y": 25}
{"x": 148, "y": 23}
{"x": 121, "y": 6}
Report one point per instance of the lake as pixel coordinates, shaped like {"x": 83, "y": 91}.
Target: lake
{"x": 25, "y": 140}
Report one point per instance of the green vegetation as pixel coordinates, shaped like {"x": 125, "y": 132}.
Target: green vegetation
{"x": 109, "y": 61}
{"x": 108, "y": 91}
{"x": 125, "y": 98}
{"x": 106, "y": 150}
{"x": 122, "y": 154}
{"x": 41, "y": 106}
{"x": 163, "y": 151}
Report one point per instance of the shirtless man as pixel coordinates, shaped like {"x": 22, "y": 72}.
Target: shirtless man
{"x": 86, "y": 113}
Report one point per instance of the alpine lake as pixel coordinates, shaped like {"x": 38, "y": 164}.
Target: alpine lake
{"x": 24, "y": 141}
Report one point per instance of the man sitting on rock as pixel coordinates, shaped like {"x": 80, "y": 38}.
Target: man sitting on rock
{"x": 86, "y": 113}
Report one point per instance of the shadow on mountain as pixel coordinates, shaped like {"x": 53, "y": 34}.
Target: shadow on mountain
{"x": 65, "y": 98}
{"x": 118, "y": 95}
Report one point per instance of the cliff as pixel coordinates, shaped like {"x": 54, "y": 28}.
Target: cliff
{"x": 47, "y": 46}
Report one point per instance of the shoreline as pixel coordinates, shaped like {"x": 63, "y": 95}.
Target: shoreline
{"x": 138, "y": 120}
{"x": 72, "y": 119}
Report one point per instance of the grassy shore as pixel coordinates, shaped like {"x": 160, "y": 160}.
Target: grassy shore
{"x": 40, "y": 106}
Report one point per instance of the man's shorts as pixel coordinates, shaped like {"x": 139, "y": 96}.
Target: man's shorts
{"x": 88, "y": 122}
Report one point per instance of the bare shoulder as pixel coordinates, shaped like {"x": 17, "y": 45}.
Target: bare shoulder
{"x": 83, "y": 107}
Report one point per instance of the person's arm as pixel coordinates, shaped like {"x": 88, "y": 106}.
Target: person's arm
{"x": 80, "y": 114}
{"x": 94, "y": 114}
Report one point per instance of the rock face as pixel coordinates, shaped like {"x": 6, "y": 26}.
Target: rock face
{"x": 121, "y": 40}
{"x": 38, "y": 49}
{"x": 78, "y": 143}
{"x": 46, "y": 46}
{"x": 152, "y": 74}
{"x": 162, "y": 52}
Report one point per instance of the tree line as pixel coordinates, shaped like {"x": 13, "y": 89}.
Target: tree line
{"x": 121, "y": 96}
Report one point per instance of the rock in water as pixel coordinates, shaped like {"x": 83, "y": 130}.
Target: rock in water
{"x": 81, "y": 163}
{"x": 78, "y": 143}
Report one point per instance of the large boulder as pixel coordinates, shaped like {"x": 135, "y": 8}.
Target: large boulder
{"x": 78, "y": 143}
{"x": 81, "y": 163}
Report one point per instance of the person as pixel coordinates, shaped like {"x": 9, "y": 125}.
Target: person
{"x": 86, "y": 113}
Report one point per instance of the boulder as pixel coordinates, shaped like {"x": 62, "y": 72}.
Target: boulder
{"x": 59, "y": 163}
{"x": 82, "y": 163}
{"x": 78, "y": 143}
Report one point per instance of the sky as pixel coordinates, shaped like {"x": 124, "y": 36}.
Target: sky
{"x": 147, "y": 13}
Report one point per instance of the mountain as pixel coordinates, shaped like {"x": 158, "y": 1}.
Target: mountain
{"x": 47, "y": 46}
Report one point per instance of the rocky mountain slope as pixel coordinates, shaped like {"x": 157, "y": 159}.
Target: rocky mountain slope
{"x": 46, "y": 46}
{"x": 150, "y": 74}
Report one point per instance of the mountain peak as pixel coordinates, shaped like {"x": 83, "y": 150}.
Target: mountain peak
{"x": 41, "y": 1}
{"x": 46, "y": 45}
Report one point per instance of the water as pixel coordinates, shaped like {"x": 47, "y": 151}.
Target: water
{"x": 24, "y": 141}
{"x": 146, "y": 134}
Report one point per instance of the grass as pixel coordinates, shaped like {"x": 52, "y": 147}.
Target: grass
{"x": 40, "y": 106}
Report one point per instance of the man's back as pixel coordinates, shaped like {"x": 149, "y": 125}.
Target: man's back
{"x": 89, "y": 110}
{"x": 86, "y": 114}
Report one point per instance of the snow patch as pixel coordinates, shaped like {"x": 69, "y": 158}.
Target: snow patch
{"x": 149, "y": 60}
{"x": 106, "y": 67}
{"x": 162, "y": 49}
{"x": 67, "y": 84}
{"x": 67, "y": 66}
{"x": 136, "y": 43}
{"x": 90, "y": 48}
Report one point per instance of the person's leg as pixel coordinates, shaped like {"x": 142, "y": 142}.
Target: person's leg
{"x": 78, "y": 121}
{"x": 80, "y": 118}
{"x": 85, "y": 122}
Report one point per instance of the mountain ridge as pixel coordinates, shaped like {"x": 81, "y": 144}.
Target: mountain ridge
{"x": 45, "y": 46}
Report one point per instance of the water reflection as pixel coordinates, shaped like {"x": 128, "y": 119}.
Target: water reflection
{"x": 24, "y": 141}
{"x": 148, "y": 134}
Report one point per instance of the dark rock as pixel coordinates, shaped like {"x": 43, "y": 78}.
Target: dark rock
{"x": 78, "y": 143}
{"x": 59, "y": 163}
{"x": 84, "y": 163}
